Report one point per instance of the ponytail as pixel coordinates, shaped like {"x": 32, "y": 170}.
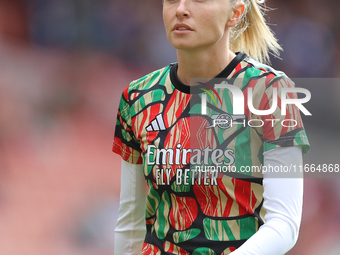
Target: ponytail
{"x": 252, "y": 35}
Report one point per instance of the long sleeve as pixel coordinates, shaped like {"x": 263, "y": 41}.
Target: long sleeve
{"x": 130, "y": 229}
{"x": 283, "y": 197}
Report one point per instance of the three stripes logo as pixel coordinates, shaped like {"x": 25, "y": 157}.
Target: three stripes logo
{"x": 157, "y": 124}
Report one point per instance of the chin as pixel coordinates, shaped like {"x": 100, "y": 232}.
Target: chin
{"x": 190, "y": 45}
{"x": 184, "y": 46}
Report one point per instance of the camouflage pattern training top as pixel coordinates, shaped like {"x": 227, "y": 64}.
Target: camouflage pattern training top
{"x": 205, "y": 195}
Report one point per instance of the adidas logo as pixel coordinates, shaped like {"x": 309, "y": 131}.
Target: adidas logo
{"x": 157, "y": 124}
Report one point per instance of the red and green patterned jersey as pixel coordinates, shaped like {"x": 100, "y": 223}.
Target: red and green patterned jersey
{"x": 203, "y": 198}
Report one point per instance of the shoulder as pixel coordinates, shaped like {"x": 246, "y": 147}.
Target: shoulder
{"x": 262, "y": 74}
{"x": 260, "y": 68}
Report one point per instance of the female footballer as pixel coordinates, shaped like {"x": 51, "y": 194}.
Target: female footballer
{"x": 204, "y": 196}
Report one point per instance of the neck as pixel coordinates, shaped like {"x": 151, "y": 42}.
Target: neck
{"x": 202, "y": 64}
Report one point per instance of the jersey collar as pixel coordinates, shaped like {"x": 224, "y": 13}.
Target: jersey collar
{"x": 197, "y": 88}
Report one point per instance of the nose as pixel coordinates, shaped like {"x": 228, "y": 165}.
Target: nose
{"x": 182, "y": 9}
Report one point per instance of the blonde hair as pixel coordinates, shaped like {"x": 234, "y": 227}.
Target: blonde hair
{"x": 252, "y": 35}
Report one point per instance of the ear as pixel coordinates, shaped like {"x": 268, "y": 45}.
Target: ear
{"x": 236, "y": 14}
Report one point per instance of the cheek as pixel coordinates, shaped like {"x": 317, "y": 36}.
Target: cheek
{"x": 217, "y": 28}
{"x": 166, "y": 21}
{"x": 215, "y": 21}
{"x": 223, "y": 18}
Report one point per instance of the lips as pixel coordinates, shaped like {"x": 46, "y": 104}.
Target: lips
{"x": 182, "y": 27}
